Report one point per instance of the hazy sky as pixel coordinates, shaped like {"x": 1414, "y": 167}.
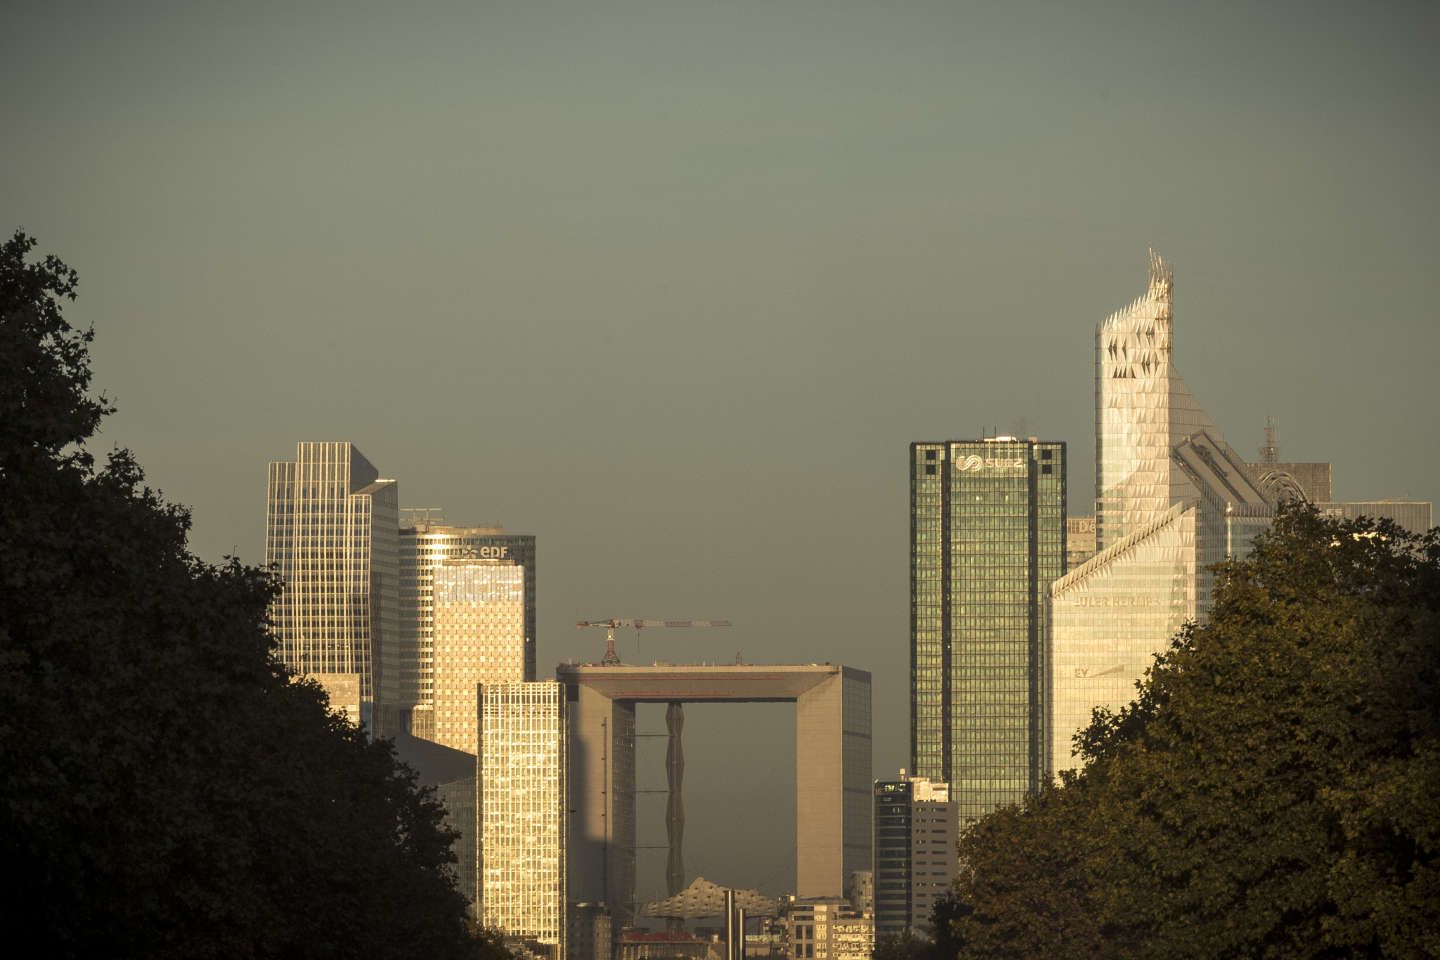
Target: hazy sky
{"x": 673, "y": 285}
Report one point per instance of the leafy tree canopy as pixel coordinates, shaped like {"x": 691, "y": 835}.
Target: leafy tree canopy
{"x": 1272, "y": 791}
{"x": 166, "y": 790}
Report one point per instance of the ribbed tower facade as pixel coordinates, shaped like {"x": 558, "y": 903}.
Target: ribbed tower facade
{"x": 524, "y": 813}
{"x": 332, "y": 536}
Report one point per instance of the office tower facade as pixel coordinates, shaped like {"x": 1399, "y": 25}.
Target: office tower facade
{"x": 1079, "y": 541}
{"x": 1172, "y": 500}
{"x": 332, "y": 536}
{"x": 916, "y": 829}
{"x": 478, "y": 637}
{"x": 987, "y": 537}
{"x": 425, "y": 543}
{"x": 522, "y": 796}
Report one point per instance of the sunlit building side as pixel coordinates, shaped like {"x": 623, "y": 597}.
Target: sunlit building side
{"x": 1172, "y": 500}
{"x": 521, "y": 788}
{"x": 331, "y": 534}
{"x": 478, "y": 638}
{"x": 425, "y": 543}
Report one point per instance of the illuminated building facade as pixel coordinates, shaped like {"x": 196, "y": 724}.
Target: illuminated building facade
{"x": 916, "y": 829}
{"x": 1079, "y": 541}
{"x": 478, "y": 637}
{"x": 522, "y": 783}
{"x": 832, "y": 766}
{"x": 825, "y": 928}
{"x": 987, "y": 537}
{"x": 331, "y": 534}
{"x": 1172, "y": 499}
{"x": 425, "y": 544}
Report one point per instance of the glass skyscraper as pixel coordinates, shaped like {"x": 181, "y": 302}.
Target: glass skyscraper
{"x": 987, "y": 537}
{"x": 1171, "y": 499}
{"x": 523, "y": 802}
{"x": 331, "y": 534}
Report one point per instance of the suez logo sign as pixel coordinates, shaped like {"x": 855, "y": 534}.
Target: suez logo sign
{"x": 974, "y": 464}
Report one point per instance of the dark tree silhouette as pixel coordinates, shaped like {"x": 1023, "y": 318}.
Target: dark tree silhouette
{"x": 166, "y": 790}
{"x": 1271, "y": 792}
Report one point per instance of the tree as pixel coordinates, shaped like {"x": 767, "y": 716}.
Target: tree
{"x": 167, "y": 789}
{"x": 1270, "y": 792}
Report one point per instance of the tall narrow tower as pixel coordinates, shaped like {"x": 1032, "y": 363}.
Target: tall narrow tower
{"x": 332, "y": 536}
{"x": 987, "y": 536}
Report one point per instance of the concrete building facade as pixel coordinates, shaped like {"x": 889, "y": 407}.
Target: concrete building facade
{"x": 832, "y": 765}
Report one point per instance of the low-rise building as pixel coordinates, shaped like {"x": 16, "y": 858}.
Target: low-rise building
{"x": 825, "y": 928}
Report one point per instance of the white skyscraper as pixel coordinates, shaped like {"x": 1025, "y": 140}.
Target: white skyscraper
{"x": 523, "y": 812}
{"x": 332, "y": 535}
{"x": 1172, "y": 498}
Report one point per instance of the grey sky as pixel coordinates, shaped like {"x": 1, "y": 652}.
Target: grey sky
{"x": 673, "y": 285}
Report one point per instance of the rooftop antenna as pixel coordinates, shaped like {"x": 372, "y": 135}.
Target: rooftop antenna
{"x": 1270, "y": 449}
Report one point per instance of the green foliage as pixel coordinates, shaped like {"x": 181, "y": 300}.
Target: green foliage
{"x": 1271, "y": 793}
{"x": 165, "y": 789}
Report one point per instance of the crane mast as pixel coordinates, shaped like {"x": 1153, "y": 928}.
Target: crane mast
{"x": 674, "y": 754}
{"x": 611, "y": 658}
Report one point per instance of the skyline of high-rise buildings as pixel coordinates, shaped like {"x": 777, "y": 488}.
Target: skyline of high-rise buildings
{"x": 1024, "y": 619}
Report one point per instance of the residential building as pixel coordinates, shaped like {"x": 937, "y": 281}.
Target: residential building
{"x": 987, "y": 537}
{"x": 331, "y": 535}
{"x": 916, "y": 830}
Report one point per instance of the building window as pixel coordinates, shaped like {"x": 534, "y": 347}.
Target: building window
{"x": 1047, "y": 468}
{"x": 930, "y": 469}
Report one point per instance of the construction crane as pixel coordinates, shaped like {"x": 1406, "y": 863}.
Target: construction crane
{"x": 611, "y": 658}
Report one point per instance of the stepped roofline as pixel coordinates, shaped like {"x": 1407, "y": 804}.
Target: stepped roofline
{"x": 1119, "y": 549}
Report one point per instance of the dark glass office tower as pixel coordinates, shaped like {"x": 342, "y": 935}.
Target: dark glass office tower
{"x": 987, "y": 537}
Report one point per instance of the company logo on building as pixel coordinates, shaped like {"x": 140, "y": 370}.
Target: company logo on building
{"x": 974, "y": 464}
{"x": 484, "y": 553}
